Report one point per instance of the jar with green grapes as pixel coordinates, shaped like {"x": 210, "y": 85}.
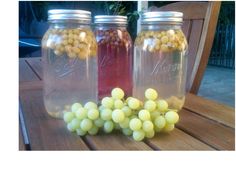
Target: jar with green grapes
{"x": 69, "y": 56}
{"x": 160, "y": 57}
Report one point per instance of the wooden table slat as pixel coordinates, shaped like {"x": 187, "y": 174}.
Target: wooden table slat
{"x": 215, "y": 134}
{"x": 115, "y": 142}
{"x": 45, "y": 132}
{"x": 31, "y": 85}
{"x": 177, "y": 140}
{"x": 210, "y": 109}
{"x": 36, "y": 65}
{"x": 25, "y": 72}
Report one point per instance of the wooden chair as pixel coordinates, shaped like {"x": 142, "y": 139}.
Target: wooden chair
{"x": 200, "y": 20}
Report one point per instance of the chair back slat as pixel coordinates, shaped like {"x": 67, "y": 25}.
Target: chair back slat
{"x": 200, "y": 18}
{"x": 194, "y": 39}
{"x": 191, "y": 10}
{"x": 186, "y": 27}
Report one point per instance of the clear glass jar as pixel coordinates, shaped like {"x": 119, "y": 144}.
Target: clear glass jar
{"x": 69, "y": 51}
{"x": 160, "y": 57}
{"x": 115, "y": 54}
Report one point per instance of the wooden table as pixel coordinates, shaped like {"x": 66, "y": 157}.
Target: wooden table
{"x": 203, "y": 125}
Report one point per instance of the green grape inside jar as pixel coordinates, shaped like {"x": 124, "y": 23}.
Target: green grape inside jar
{"x": 69, "y": 52}
{"x": 160, "y": 57}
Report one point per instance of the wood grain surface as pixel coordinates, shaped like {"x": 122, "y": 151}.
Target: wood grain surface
{"x": 210, "y": 109}
{"x": 177, "y": 140}
{"x": 214, "y": 134}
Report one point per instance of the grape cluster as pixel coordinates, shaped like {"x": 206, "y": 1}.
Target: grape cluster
{"x": 75, "y": 43}
{"x": 131, "y": 116}
{"x": 164, "y": 41}
{"x": 113, "y": 37}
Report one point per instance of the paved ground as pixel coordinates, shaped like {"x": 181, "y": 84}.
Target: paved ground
{"x": 218, "y": 84}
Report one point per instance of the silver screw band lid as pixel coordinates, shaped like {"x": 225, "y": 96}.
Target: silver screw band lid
{"x": 162, "y": 17}
{"x": 65, "y": 14}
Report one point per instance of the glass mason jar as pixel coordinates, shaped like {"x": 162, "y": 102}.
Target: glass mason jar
{"x": 160, "y": 60}
{"x": 115, "y": 54}
{"x": 69, "y": 61}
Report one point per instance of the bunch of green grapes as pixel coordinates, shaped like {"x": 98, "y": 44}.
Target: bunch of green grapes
{"x": 83, "y": 120}
{"x": 131, "y": 116}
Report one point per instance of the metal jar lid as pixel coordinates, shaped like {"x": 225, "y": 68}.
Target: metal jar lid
{"x": 110, "y": 19}
{"x": 65, "y": 14}
{"x": 169, "y": 17}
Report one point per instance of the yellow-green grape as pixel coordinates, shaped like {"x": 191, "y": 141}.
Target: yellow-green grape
{"x": 135, "y": 124}
{"x": 155, "y": 114}
{"x": 93, "y": 114}
{"x": 69, "y": 127}
{"x": 168, "y": 127}
{"x": 70, "y": 40}
{"x": 93, "y": 130}
{"x": 99, "y": 122}
{"x": 75, "y": 124}
{"x": 127, "y": 131}
{"x": 150, "y": 105}
{"x": 134, "y": 103}
{"x": 151, "y": 94}
{"x": 86, "y": 124}
{"x": 171, "y": 117}
{"x": 75, "y": 107}
{"x": 140, "y": 105}
{"x": 81, "y": 113}
{"x": 144, "y": 115}
{"x": 118, "y": 115}
{"x": 54, "y": 114}
{"x": 117, "y": 93}
{"x": 106, "y": 114}
{"x": 147, "y": 126}
{"x": 170, "y": 32}
{"x": 125, "y": 123}
{"x": 68, "y": 117}
{"x": 108, "y": 126}
{"x": 138, "y": 135}
{"x": 127, "y": 111}
{"x": 150, "y": 48}
{"x": 150, "y": 134}
{"x": 80, "y": 132}
{"x": 164, "y": 39}
{"x": 160, "y": 122}
{"x": 127, "y": 99}
{"x": 107, "y": 102}
{"x": 72, "y": 55}
{"x": 101, "y": 108}
{"x": 118, "y": 104}
{"x": 90, "y": 105}
{"x": 162, "y": 105}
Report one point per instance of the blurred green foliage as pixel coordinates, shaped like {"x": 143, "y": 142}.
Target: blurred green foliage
{"x": 127, "y": 9}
